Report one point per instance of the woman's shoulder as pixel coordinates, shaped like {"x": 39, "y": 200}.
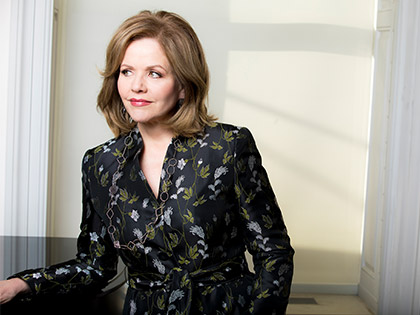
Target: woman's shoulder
{"x": 105, "y": 147}
{"x": 113, "y": 148}
{"x": 226, "y": 130}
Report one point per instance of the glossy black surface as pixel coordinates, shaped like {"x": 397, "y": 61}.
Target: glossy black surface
{"x": 20, "y": 253}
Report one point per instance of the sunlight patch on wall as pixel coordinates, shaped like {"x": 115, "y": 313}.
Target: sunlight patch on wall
{"x": 352, "y": 13}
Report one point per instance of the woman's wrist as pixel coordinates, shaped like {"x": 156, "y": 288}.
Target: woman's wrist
{"x": 19, "y": 285}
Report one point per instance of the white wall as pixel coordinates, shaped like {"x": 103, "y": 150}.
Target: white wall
{"x": 4, "y": 75}
{"x": 297, "y": 73}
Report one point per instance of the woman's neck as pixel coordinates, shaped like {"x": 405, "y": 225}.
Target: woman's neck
{"x": 155, "y": 135}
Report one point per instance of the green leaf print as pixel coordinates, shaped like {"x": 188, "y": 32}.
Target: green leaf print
{"x": 237, "y": 191}
{"x": 208, "y": 290}
{"x": 268, "y": 222}
{"x": 161, "y": 302}
{"x": 188, "y": 193}
{"x": 199, "y": 201}
{"x": 227, "y": 158}
{"x": 192, "y": 142}
{"x": 228, "y": 136}
{"x": 189, "y": 216}
{"x": 133, "y": 199}
{"x": 244, "y": 213}
{"x": 151, "y": 231}
{"x": 117, "y": 153}
{"x": 204, "y": 172}
{"x": 181, "y": 148}
{"x": 217, "y": 276}
{"x": 174, "y": 239}
{"x": 269, "y": 265}
{"x": 251, "y": 197}
{"x": 216, "y": 146}
{"x": 193, "y": 252}
{"x": 123, "y": 195}
{"x": 263, "y": 295}
{"x": 183, "y": 260}
{"x": 184, "y": 281}
{"x": 104, "y": 179}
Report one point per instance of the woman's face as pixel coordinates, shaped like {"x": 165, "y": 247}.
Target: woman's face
{"x": 146, "y": 84}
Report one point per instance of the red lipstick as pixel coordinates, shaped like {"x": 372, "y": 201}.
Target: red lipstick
{"x": 139, "y": 102}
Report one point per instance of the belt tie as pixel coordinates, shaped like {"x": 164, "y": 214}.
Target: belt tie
{"x": 179, "y": 282}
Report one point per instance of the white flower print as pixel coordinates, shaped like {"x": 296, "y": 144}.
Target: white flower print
{"x": 106, "y": 149}
{"x": 138, "y": 233}
{"x": 167, "y": 216}
{"x": 145, "y": 202}
{"x": 62, "y": 271}
{"x": 94, "y": 237}
{"x": 179, "y": 180}
{"x": 200, "y": 161}
{"x": 221, "y": 170}
{"x": 101, "y": 168}
{"x": 175, "y": 295}
{"x": 83, "y": 270}
{"x": 181, "y": 164}
{"x": 147, "y": 250}
{"x": 197, "y": 230}
{"x": 133, "y": 307}
{"x": 159, "y": 266}
{"x": 205, "y": 248}
{"x": 264, "y": 239}
{"x": 234, "y": 232}
{"x": 201, "y": 141}
{"x": 264, "y": 248}
{"x": 135, "y": 215}
{"x": 241, "y": 300}
{"x": 227, "y": 218}
{"x": 251, "y": 162}
{"x": 254, "y": 226}
{"x": 36, "y": 275}
{"x": 143, "y": 178}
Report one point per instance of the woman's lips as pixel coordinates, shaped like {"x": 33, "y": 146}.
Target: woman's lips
{"x": 139, "y": 102}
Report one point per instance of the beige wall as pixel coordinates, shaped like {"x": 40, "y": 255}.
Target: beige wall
{"x": 297, "y": 73}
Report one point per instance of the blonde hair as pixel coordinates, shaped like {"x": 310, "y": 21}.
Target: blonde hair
{"x": 186, "y": 57}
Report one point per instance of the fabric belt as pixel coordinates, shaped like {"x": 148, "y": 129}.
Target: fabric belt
{"x": 178, "y": 283}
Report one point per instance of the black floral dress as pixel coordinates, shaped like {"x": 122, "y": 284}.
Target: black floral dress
{"x": 184, "y": 250}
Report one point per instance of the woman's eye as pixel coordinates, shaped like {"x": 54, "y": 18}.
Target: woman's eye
{"x": 155, "y": 74}
{"x": 125, "y": 72}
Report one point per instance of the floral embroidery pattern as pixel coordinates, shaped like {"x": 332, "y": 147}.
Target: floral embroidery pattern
{"x": 220, "y": 203}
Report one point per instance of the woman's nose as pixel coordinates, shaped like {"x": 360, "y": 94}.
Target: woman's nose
{"x": 138, "y": 84}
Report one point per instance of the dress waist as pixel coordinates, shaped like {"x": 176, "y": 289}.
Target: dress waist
{"x": 179, "y": 282}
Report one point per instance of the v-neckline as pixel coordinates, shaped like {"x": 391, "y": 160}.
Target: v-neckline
{"x": 169, "y": 150}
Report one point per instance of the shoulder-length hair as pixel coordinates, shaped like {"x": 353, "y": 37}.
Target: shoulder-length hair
{"x": 186, "y": 57}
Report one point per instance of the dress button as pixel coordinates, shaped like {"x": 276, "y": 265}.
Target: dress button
{"x": 163, "y": 256}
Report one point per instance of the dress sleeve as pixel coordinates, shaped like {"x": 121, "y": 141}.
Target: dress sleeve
{"x": 95, "y": 263}
{"x": 264, "y": 230}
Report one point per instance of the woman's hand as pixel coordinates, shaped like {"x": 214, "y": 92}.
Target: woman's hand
{"x": 12, "y": 287}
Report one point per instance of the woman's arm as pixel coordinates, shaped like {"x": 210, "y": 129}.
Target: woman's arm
{"x": 264, "y": 230}
{"x": 12, "y": 287}
{"x": 96, "y": 259}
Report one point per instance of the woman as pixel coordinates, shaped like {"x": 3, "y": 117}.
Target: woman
{"x": 176, "y": 195}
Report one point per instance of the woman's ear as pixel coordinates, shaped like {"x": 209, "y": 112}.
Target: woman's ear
{"x": 181, "y": 94}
